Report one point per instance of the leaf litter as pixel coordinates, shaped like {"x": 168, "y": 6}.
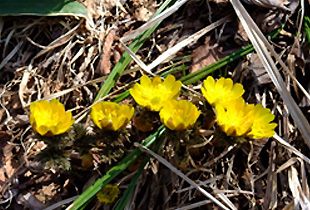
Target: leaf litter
{"x": 66, "y": 57}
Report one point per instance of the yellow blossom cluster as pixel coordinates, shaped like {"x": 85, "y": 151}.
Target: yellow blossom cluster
{"x": 153, "y": 94}
{"x": 55, "y": 127}
{"x": 50, "y": 118}
{"x": 157, "y": 95}
{"x": 234, "y": 116}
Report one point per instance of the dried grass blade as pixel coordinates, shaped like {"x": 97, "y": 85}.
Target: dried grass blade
{"x": 63, "y": 92}
{"x": 154, "y": 21}
{"x": 10, "y": 55}
{"x": 192, "y": 205}
{"x": 124, "y": 201}
{"x": 304, "y": 182}
{"x": 300, "y": 199}
{"x": 23, "y": 85}
{"x": 261, "y": 44}
{"x": 59, "y": 41}
{"x": 61, "y": 203}
{"x": 188, "y": 180}
{"x": 173, "y": 50}
{"x": 291, "y": 148}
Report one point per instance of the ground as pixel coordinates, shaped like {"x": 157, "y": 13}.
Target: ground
{"x": 70, "y": 58}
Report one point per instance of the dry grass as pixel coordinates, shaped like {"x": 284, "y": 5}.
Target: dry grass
{"x": 70, "y": 58}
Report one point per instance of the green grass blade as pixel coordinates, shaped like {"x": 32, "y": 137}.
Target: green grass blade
{"x": 125, "y": 59}
{"x": 88, "y": 194}
{"x": 202, "y": 73}
{"x": 42, "y": 8}
{"x": 307, "y": 27}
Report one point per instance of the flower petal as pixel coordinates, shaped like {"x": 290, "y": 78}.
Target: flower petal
{"x": 111, "y": 115}
{"x": 153, "y": 94}
{"x": 222, "y": 91}
{"x": 179, "y": 115}
{"x": 50, "y": 118}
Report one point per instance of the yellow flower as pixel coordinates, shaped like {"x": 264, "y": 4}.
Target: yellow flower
{"x": 153, "y": 94}
{"x": 262, "y": 128}
{"x": 108, "y": 193}
{"x": 179, "y": 115}
{"x": 50, "y": 118}
{"x": 235, "y": 119}
{"x": 222, "y": 91}
{"x": 111, "y": 115}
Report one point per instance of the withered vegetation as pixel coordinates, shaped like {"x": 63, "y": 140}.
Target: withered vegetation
{"x": 69, "y": 58}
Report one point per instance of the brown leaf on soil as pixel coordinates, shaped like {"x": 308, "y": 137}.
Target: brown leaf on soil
{"x": 2, "y": 177}
{"x": 241, "y": 36}
{"x": 144, "y": 9}
{"x": 258, "y": 70}
{"x": 47, "y": 192}
{"x": 109, "y": 4}
{"x": 29, "y": 201}
{"x": 205, "y": 55}
{"x": 258, "y": 145}
{"x": 268, "y": 22}
{"x": 5, "y": 154}
{"x": 117, "y": 53}
{"x": 104, "y": 66}
{"x": 143, "y": 14}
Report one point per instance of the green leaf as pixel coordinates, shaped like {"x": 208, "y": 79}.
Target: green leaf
{"x": 42, "y": 8}
{"x": 307, "y": 27}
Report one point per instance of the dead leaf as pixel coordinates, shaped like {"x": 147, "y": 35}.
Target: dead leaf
{"x": 205, "y": 55}
{"x": 258, "y": 145}
{"x": 104, "y": 66}
{"x": 117, "y": 53}
{"x": 2, "y": 177}
{"x": 269, "y": 21}
{"x": 144, "y": 14}
{"x": 258, "y": 70}
{"x": 144, "y": 9}
{"x": 5, "y": 155}
{"x": 47, "y": 192}
{"x": 109, "y": 4}
{"x": 241, "y": 36}
{"x": 29, "y": 201}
